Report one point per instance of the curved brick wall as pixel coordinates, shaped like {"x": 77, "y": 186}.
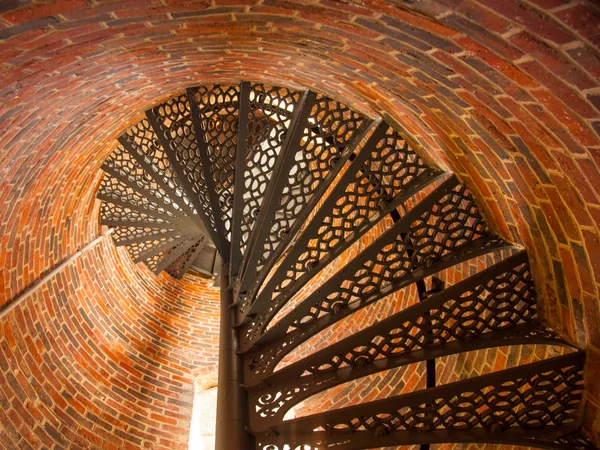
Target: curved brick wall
{"x": 104, "y": 356}
{"x": 505, "y": 93}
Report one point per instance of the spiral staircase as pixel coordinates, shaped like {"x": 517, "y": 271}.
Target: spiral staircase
{"x": 272, "y": 190}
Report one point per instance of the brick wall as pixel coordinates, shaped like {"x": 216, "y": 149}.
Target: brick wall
{"x": 505, "y": 94}
{"x": 105, "y": 356}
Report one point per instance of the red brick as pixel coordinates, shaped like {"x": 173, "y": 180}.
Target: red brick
{"x": 532, "y": 19}
{"x": 573, "y": 172}
{"x": 561, "y": 211}
{"x": 553, "y": 60}
{"x": 571, "y": 121}
{"x": 577, "y": 206}
{"x": 569, "y": 96}
{"x": 584, "y": 20}
{"x": 497, "y": 63}
{"x": 523, "y": 142}
{"x": 592, "y": 244}
{"x": 31, "y": 13}
{"x": 587, "y": 59}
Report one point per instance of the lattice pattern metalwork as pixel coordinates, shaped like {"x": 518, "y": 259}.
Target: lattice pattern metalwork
{"x": 574, "y": 440}
{"x": 173, "y": 124}
{"x": 328, "y": 138}
{"x": 116, "y": 191}
{"x": 171, "y": 258}
{"x": 441, "y": 225}
{"x": 267, "y": 123}
{"x": 142, "y": 144}
{"x": 443, "y": 228}
{"x": 153, "y": 262}
{"x": 163, "y": 256}
{"x": 499, "y": 302}
{"x": 379, "y": 178}
{"x": 179, "y": 267}
{"x": 143, "y": 250}
{"x": 324, "y": 147}
{"x": 271, "y": 399}
{"x": 123, "y": 163}
{"x": 215, "y": 114}
{"x": 119, "y": 216}
{"x": 497, "y": 308}
{"x": 133, "y": 235}
{"x": 243, "y": 168}
{"x": 543, "y": 394}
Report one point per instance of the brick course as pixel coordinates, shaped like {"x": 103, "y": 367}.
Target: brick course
{"x": 505, "y": 94}
{"x": 105, "y": 356}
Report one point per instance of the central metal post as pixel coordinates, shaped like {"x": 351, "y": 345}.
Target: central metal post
{"x": 231, "y": 398}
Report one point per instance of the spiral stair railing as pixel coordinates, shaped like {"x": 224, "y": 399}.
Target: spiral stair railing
{"x": 268, "y": 187}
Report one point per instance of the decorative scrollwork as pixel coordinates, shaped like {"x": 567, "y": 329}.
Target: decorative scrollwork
{"x": 140, "y": 251}
{"x": 177, "y": 257}
{"x": 332, "y": 126}
{"x": 180, "y": 266}
{"x": 501, "y": 303}
{"x": 169, "y": 186}
{"x": 373, "y": 182}
{"x": 174, "y": 121}
{"x": 161, "y": 260}
{"x": 390, "y": 168}
{"x": 114, "y": 190}
{"x": 116, "y": 215}
{"x": 442, "y": 228}
{"x": 575, "y": 441}
{"x": 143, "y": 142}
{"x": 531, "y": 397}
{"x": 449, "y": 225}
{"x": 453, "y": 222}
{"x": 217, "y": 115}
{"x": 268, "y": 123}
{"x": 121, "y": 161}
{"x": 132, "y": 235}
{"x": 154, "y": 261}
{"x": 529, "y": 402}
{"x": 498, "y": 309}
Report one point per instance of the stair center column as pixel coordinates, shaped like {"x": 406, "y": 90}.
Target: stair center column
{"x": 231, "y": 398}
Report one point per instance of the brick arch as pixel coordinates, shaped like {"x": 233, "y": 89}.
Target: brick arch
{"x": 503, "y": 93}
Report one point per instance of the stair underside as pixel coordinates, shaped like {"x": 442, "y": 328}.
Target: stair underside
{"x": 274, "y": 185}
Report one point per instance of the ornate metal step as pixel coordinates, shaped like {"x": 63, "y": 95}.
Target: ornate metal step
{"x": 265, "y": 188}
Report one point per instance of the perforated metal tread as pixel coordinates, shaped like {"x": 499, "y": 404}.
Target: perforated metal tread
{"x": 279, "y": 184}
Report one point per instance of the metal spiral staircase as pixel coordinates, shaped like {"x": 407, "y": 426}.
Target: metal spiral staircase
{"x": 282, "y": 185}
